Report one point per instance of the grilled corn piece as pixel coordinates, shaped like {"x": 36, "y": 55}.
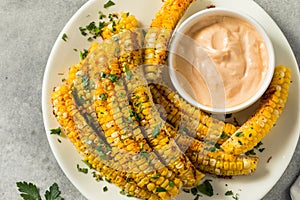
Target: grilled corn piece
{"x": 170, "y": 13}
{"x": 102, "y": 69}
{"x": 258, "y": 126}
{"x": 158, "y": 36}
{"x": 156, "y": 132}
{"x": 209, "y": 159}
{"x": 123, "y": 22}
{"x": 66, "y": 113}
{"x": 182, "y": 115}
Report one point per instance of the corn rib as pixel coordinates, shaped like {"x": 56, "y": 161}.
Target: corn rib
{"x": 159, "y": 34}
{"x": 265, "y": 117}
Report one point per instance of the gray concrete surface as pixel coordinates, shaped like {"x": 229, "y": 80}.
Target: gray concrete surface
{"x": 28, "y": 30}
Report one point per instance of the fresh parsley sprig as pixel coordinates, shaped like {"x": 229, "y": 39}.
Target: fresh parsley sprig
{"x": 29, "y": 191}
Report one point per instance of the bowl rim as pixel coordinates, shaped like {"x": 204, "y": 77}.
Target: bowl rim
{"x": 185, "y": 25}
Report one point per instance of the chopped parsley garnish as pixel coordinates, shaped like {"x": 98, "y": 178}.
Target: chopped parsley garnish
{"x": 156, "y": 176}
{"x": 87, "y": 163}
{"x": 134, "y": 114}
{"x": 228, "y": 193}
{"x": 211, "y": 149}
{"x": 128, "y": 73}
{"x": 103, "y": 96}
{"x": 145, "y": 155}
{"x": 83, "y": 170}
{"x": 206, "y": 188}
{"x": 156, "y": 130}
{"x": 197, "y": 197}
{"x": 239, "y": 134}
{"x": 109, "y": 4}
{"x": 56, "y": 131}
{"x": 64, "y": 37}
{"x": 171, "y": 184}
{"x": 58, "y": 140}
{"x": 250, "y": 152}
{"x": 112, "y": 77}
{"x": 83, "y": 54}
{"x": 258, "y": 145}
{"x": 30, "y": 191}
{"x": 85, "y": 82}
{"x": 101, "y": 15}
{"x": 261, "y": 150}
{"x": 240, "y": 142}
{"x": 223, "y": 135}
{"x": 236, "y": 197}
{"x": 92, "y": 30}
{"x": 160, "y": 189}
{"x": 105, "y": 189}
{"x": 194, "y": 191}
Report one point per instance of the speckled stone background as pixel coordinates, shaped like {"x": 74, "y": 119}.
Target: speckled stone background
{"x": 28, "y": 30}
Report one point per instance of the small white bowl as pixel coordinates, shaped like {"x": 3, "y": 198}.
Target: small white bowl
{"x": 179, "y": 35}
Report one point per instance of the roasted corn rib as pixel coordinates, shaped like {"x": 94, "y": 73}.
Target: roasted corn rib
{"x": 182, "y": 115}
{"x": 265, "y": 117}
{"x": 158, "y": 36}
{"x": 156, "y": 131}
{"x": 209, "y": 159}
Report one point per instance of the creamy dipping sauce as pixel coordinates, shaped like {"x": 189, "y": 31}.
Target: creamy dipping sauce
{"x": 239, "y": 55}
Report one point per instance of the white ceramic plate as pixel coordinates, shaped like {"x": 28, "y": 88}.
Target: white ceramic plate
{"x": 280, "y": 143}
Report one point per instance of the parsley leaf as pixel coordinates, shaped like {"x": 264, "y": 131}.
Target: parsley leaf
{"x": 64, "y": 37}
{"x": 112, "y": 77}
{"x": 83, "y": 170}
{"x": 83, "y": 54}
{"x": 53, "y": 193}
{"x": 229, "y": 193}
{"x": 156, "y": 176}
{"x": 128, "y": 73}
{"x": 105, "y": 189}
{"x": 223, "y": 135}
{"x": 56, "y": 131}
{"x": 160, "y": 189}
{"x": 156, "y": 130}
{"x": 109, "y": 4}
{"x": 239, "y": 134}
{"x": 206, "y": 188}
{"x": 28, "y": 191}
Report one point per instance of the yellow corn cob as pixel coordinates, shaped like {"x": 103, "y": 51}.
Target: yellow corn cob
{"x": 156, "y": 132}
{"x": 209, "y": 159}
{"x": 258, "y": 126}
{"x": 157, "y": 37}
{"x": 65, "y": 113}
{"x": 195, "y": 122}
{"x": 170, "y": 13}
{"x": 125, "y": 22}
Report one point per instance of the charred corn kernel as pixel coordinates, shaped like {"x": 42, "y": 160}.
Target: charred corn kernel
{"x": 211, "y": 160}
{"x": 260, "y": 124}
